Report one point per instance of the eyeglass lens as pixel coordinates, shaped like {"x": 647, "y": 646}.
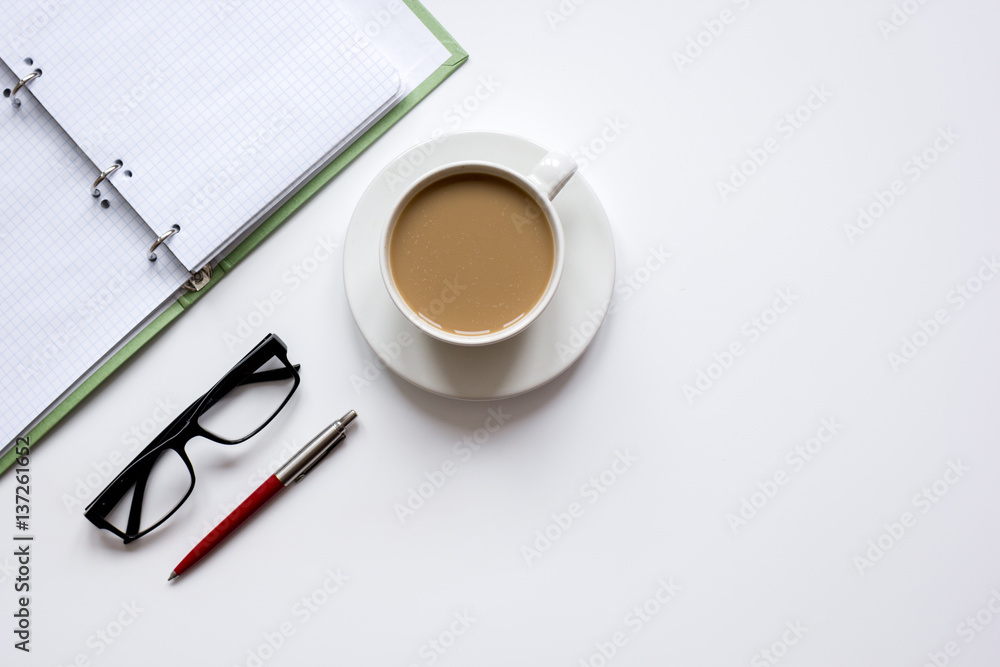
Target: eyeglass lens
{"x": 162, "y": 484}
{"x": 246, "y": 408}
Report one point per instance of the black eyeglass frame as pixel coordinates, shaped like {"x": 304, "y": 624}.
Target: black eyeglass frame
{"x": 181, "y": 430}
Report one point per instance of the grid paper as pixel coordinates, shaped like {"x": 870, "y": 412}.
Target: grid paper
{"x": 75, "y": 275}
{"x": 217, "y": 110}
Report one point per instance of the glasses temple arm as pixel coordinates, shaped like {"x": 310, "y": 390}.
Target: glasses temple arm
{"x": 283, "y": 373}
{"x": 135, "y": 511}
{"x": 208, "y": 399}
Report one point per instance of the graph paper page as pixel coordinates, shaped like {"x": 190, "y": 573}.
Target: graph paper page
{"x": 76, "y": 276}
{"x": 216, "y": 110}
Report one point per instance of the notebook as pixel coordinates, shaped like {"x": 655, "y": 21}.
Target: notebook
{"x": 205, "y": 120}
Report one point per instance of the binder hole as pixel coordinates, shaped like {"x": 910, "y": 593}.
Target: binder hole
{"x": 105, "y": 203}
{"x": 29, "y": 61}
{"x": 177, "y": 227}
{"x": 6, "y": 92}
{"x": 119, "y": 162}
{"x": 128, "y": 173}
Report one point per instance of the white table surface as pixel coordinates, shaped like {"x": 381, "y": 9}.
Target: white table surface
{"x": 716, "y": 538}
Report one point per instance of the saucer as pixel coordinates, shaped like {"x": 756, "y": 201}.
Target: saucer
{"x": 541, "y": 352}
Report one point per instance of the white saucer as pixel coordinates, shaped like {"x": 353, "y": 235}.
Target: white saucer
{"x": 545, "y": 349}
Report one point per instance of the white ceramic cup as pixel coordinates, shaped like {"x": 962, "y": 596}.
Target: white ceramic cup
{"x": 544, "y": 182}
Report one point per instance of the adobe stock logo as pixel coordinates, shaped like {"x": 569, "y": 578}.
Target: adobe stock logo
{"x": 789, "y": 125}
{"x": 103, "y": 470}
{"x": 295, "y": 276}
{"x": 105, "y": 636}
{"x": 924, "y": 501}
{"x": 587, "y": 154}
{"x": 706, "y": 38}
{"x": 901, "y": 14}
{"x": 592, "y": 490}
{"x": 967, "y": 630}
{"x": 436, "y": 647}
{"x": 624, "y": 289}
{"x": 463, "y": 450}
{"x": 450, "y": 292}
{"x": 380, "y": 20}
{"x": 928, "y": 329}
{"x": 635, "y": 620}
{"x": 272, "y": 641}
{"x": 796, "y": 459}
{"x": 562, "y": 12}
{"x": 385, "y": 354}
{"x": 35, "y": 23}
{"x": 752, "y": 329}
{"x": 454, "y": 117}
{"x": 882, "y": 200}
{"x": 779, "y": 647}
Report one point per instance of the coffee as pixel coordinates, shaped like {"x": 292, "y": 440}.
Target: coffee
{"x": 471, "y": 253}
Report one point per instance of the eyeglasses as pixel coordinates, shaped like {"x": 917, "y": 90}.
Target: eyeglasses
{"x": 161, "y": 477}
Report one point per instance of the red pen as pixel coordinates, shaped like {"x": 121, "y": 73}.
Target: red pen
{"x": 297, "y": 467}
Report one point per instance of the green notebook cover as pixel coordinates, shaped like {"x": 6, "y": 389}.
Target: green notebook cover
{"x": 457, "y": 57}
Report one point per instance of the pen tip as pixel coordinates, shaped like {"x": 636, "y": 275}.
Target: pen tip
{"x": 348, "y": 418}
{"x": 173, "y": 575}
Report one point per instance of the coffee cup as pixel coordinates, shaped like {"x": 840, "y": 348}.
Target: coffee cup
{"x": 473, "y": 251}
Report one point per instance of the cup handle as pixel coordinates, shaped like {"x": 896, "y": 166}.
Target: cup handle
{"x": 551, "y": 174}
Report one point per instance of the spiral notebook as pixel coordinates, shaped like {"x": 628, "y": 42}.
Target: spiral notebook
{"x": 147, "y": 147}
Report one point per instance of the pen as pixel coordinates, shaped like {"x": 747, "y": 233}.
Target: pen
{"x": 297, "y": 467}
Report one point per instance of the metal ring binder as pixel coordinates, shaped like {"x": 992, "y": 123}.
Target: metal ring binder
{"x": 20, "y": 84}
{"x": 160, "y": 239}
{"x": 94, "y": 192}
